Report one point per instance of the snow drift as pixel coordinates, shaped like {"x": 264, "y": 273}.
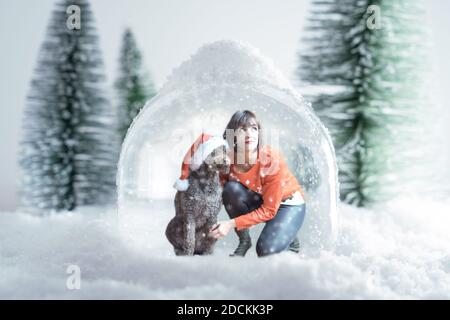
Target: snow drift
{"x": 399, "y": 250}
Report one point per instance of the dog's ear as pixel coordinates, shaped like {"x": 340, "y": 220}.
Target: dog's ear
{"x": 214, "y": 155}
{"x": 224, "y": 149}
{"x": 220, "y": 151}
{"x": 210, "y": 158}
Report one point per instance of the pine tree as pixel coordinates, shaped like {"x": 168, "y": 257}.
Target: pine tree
{"x": 378, "y": 106}
{"x": 69, "y": 145}
{"x": 134, "y": 85}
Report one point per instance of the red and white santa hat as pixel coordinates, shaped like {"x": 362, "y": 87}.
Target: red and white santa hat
{"x": 197, "y": 153}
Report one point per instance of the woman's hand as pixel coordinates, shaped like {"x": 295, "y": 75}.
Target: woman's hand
{"x": 221, "y": 228}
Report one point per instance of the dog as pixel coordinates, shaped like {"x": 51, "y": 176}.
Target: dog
{"x": 197, "y": 207}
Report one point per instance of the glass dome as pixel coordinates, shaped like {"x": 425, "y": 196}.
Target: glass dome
{"x": 200, "y": 96}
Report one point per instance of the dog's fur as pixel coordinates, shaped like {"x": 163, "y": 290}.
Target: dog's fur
{"x": 196, "y": 209}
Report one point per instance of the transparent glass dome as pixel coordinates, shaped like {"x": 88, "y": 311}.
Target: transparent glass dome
{"x": 200, "y": 96}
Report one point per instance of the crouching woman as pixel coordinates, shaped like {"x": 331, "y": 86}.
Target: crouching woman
{"x": 259, "y": 188}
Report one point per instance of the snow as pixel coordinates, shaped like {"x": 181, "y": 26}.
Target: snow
{"x": 226, "y": 61}
{"x": 396, "y": 250}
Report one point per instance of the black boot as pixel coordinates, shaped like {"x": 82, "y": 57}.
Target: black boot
{"x": 245, "y": 242}
{"x": 295, "y": 245}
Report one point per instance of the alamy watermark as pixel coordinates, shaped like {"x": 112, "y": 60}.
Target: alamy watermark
{"x": 73, "y": 281}
{"x": 73, "y": 21}
{"x": 374, "y": 20}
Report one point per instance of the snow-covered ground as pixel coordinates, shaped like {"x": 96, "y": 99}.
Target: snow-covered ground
{"x": 396, "y": 250}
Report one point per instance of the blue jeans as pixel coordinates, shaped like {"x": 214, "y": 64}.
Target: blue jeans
{"x": 278, "y": 232}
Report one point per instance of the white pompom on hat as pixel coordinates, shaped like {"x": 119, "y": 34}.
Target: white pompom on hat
{"x": 197, "y": 153}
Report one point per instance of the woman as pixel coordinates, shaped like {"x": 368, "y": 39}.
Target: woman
{"x": 259, "y": 188}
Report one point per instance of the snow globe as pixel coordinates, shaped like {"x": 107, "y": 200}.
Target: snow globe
{"x": 200, "y": 96}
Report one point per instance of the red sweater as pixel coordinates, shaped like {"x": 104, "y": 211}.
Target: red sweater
{"x": 271, "y": 178}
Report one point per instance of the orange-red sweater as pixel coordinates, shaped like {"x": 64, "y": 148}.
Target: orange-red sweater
{"x": 271, "y": 178}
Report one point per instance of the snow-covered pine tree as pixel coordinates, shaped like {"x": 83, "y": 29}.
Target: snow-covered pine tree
{"x": 326, "y": 62}
{"x": 376, "y": 108}
{"x": 69, "y": 146}
{"x": 134, "y": 85}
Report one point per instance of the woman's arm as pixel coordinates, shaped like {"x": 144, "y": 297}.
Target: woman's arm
{"x": 272, "y": 195}
{"x": 271, "y": 202}
{"x": 271, "y": 172}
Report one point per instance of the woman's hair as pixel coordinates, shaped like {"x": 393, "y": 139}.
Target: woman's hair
{"x": 240, "y": 119}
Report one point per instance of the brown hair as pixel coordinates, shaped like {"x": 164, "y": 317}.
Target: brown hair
{"x": 239, "y": 119}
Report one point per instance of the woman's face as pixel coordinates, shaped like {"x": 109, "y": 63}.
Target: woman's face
{"x": 248, "y": 134}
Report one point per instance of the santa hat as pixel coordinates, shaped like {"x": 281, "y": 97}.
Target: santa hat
{"x": 195, "y": 156}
